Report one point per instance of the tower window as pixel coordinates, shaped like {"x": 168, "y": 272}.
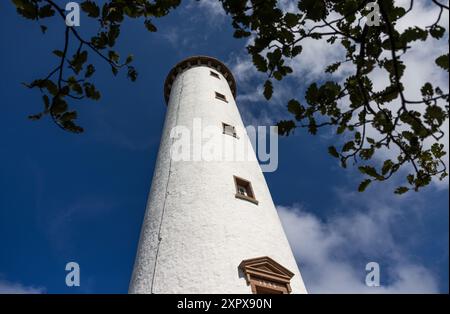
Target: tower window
{"x": 214, "y": 74}
{"x": 266, "y": 276}
{"x": 244, "y": 190}
{"x": 229, "y": 129}
{"x": 221, "y": 97}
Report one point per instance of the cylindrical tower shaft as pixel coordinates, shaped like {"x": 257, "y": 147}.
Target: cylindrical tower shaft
{"x": 210, "y": 226}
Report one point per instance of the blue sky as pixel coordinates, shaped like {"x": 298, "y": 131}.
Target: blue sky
{"x": 66, "y": 197}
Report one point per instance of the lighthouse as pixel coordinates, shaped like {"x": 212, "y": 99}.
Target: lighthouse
{"x": 210, "y": 225}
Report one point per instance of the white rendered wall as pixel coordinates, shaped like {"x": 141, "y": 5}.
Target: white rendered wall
{"x": 205, "y": 232}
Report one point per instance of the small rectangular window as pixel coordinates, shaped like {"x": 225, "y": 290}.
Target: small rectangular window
{"x": 212, "y": 73}
{"x": 221, "y": 97}
{"x": 244, "y": 190}
{"x": 229, "y": 129}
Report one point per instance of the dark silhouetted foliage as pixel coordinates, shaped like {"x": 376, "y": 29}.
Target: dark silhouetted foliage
{"x": 402, "y": 125}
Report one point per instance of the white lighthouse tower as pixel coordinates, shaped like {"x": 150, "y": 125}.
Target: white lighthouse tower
{"x": 210, "y": 226}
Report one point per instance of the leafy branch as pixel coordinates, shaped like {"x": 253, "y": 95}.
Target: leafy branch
{"x": 59, "y": 86}
{"x": 352, "y": 105}
{"x": 410, "y": 128}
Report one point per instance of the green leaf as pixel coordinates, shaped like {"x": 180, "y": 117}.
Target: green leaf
{"x": 20, "y": 4}
{"x": 51, "y": 87}
{"x": 91, "y": 91}
{"x": 91, "y": 8}
{"x": 348, "y": 146}
{"x": 367, "y": 153}
{"x": 46, "y": 11}
{"x": 438, "y": 150}
{"x": 389, "y": 65}
{"x": 296, "y": 109}
{"x": 64, "y": 90}
{"x": 296, "y": 51}
{"x": 113, "y": 34}
{"x": 435, "y": 115}
{"x": 437, "y": 31}
{"x": 89, "y": 71}
{"x": 401, "y": 190}
{"x": 333, "y": 67}
{"x": 427, "y": 90}
{"x": 78, "y": 61}
{"x": 277, "y": 75}
{"x": 369, "y": 171}
{"x": 129, "y": 59}
{"x": 268, "y": 89}
{"x": 291, "y": 19}
{"x": 100, "y": 41}
{"x": 27, "y": 9}
{"x": 113, "y": 56}
{"x": 132, "y": 74}
{"x": 35, "y": 117}
{"x": 314, "y": 9}
{"x": 285, "y": 127}
{"x": 370, "y": 140}
{"x": 59, "y": 105}
{"x": 150, "y": 26}
{"x": 312, "y": 94}
{"x": 341, "y": 129}
{"x": 443, "y": 61}
{"x": 46, "y": 101}
{"x": 387, "y": 166}
{"x": 413, "y": 34}
{"x": 70, "y": 126}
{"x": 363, "y": 185}
{"x": 58, "y": 53}
{"x": 67, "y": 116}
{"x": 259, "y": 62}
{"x": 333, "y": 151}
{"x": 74, "y": 85}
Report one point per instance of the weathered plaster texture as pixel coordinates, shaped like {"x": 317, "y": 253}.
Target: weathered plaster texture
{"x": 195, "y": 232}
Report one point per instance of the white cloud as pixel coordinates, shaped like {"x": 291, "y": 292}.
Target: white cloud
{"x": 213, "y": 7}
{"x": 288, "y": 5}
{"x": 243, "y": 68}
{"x": 210, "y": 10}
{"x": 7, "y": 287}
{"x": 332, "y": 254}
{"x": 207, "y": 15}
{"x": 250, "y": 85}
